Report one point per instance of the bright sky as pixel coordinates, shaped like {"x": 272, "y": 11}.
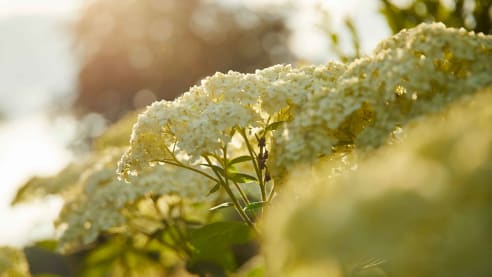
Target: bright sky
{"x": 29, "y": 146}
{"x": 16, "y": 7}
{"x": 35, "y": 67}
{"x": 310, "y": 42}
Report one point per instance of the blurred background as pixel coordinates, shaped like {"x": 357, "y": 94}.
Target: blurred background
{"x": 69, "y": 68}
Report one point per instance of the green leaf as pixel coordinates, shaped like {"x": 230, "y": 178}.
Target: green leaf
{"x": 221, "y": 206}
{"x": 213, "y": 242}
{"x": 48, "y": 245}
{"x": 214, "y": 189}
{"x": 215, "y": 167}
{"x": 242, "y": 177}
{"x": 255, "y": 205}
{"x": 106, "y": 253}
{"x": 274, "y": 126}
{"x": 240, "y": 159}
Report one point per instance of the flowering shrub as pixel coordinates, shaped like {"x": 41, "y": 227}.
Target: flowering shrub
{"x": 415, "y": 72}
{"x": 205, "y": 129}
{"x": 230, "y": 142}
{"x": 418, "y": 208}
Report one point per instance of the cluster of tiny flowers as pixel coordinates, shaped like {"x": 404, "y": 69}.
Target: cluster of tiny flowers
{"x": 97, "y": 203}
{"x": 60, "y": 184}
{"x": 202, "y": 120}
{"x": 418, "y": 208}
{"x": 13, "y": 263}
{"x": 415, "y": 72}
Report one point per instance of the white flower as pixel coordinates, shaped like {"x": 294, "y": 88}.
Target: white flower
{"x": 408, "y": 204}
{"x": 96, "y": 204}
{"x": 415, "y": 72}
{"x": 201, "y": 121}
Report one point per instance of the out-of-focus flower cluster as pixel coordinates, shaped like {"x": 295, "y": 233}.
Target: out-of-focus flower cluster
{"x": 421, "y": 207}
{"x": 13, "y": 263}
{"x": 201, "y": 121}
{"x": 98, "y": 203}
{"x": 415, "y": 72}
{"x": 96, "y": 199}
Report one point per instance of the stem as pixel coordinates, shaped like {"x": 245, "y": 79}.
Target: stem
{"x": 180, "y": 164}
{"x": 180, "y": 251}
{"x": 243, "y": 195}
{"x": 158, "y": 236}
{"x": 262, "y": 178}
{"x": 255, "y": 164}
{"x": 178, "y": 237}
{"x": 171, "y": 225}
{"x": 236, "y": 204}
{"x": 270, "y": 195}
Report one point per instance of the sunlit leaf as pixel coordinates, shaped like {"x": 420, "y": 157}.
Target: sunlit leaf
{"x": 255, "y": 205}
{"x": 242, "y": 177}
{"x": 221, "y": 206}
{"x": 240, "y": 159}
{"x": 274, "y": 126}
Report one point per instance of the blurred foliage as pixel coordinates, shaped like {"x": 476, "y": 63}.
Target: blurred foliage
{"x": 474, "y": 15}
{"x": 421, "y": 207}
{"x": 39, "y": 187}
{"x": 159, "y": 233}
{"x": 334, "y": 37}
{"x": 13, "y": 263}
{"x": 222, "y": 236}
{"x": 118, "y": 134}
{"x": 120, "y": 256}
{"x": 134, "y": 52}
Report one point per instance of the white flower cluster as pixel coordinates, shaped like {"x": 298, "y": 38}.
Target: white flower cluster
{"x": 95, "y": 198}
{"x": 420, "y": 208}
{"x": 414, "y": 72}
{"x": 201, "y": 121}
{"x": 96, "y": 204}
{"x": 60, "y": 184}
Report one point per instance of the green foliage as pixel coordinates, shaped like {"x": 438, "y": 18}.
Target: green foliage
{"x": 120, "y": 256}
{"x": 344, "y": 54}
{"x": 48, "y": 245}
{"x": 212, "y": 244}
{"x": 473, "y": 15}
{"x": 255, "y": 205}
{"x": 117, "y": 134}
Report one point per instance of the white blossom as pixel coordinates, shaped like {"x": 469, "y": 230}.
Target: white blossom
{"x": 415, "y": 72}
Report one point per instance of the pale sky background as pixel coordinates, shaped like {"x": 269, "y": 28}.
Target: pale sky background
{"x": 37, "y": 68}
{"x": 16, "y": 7}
